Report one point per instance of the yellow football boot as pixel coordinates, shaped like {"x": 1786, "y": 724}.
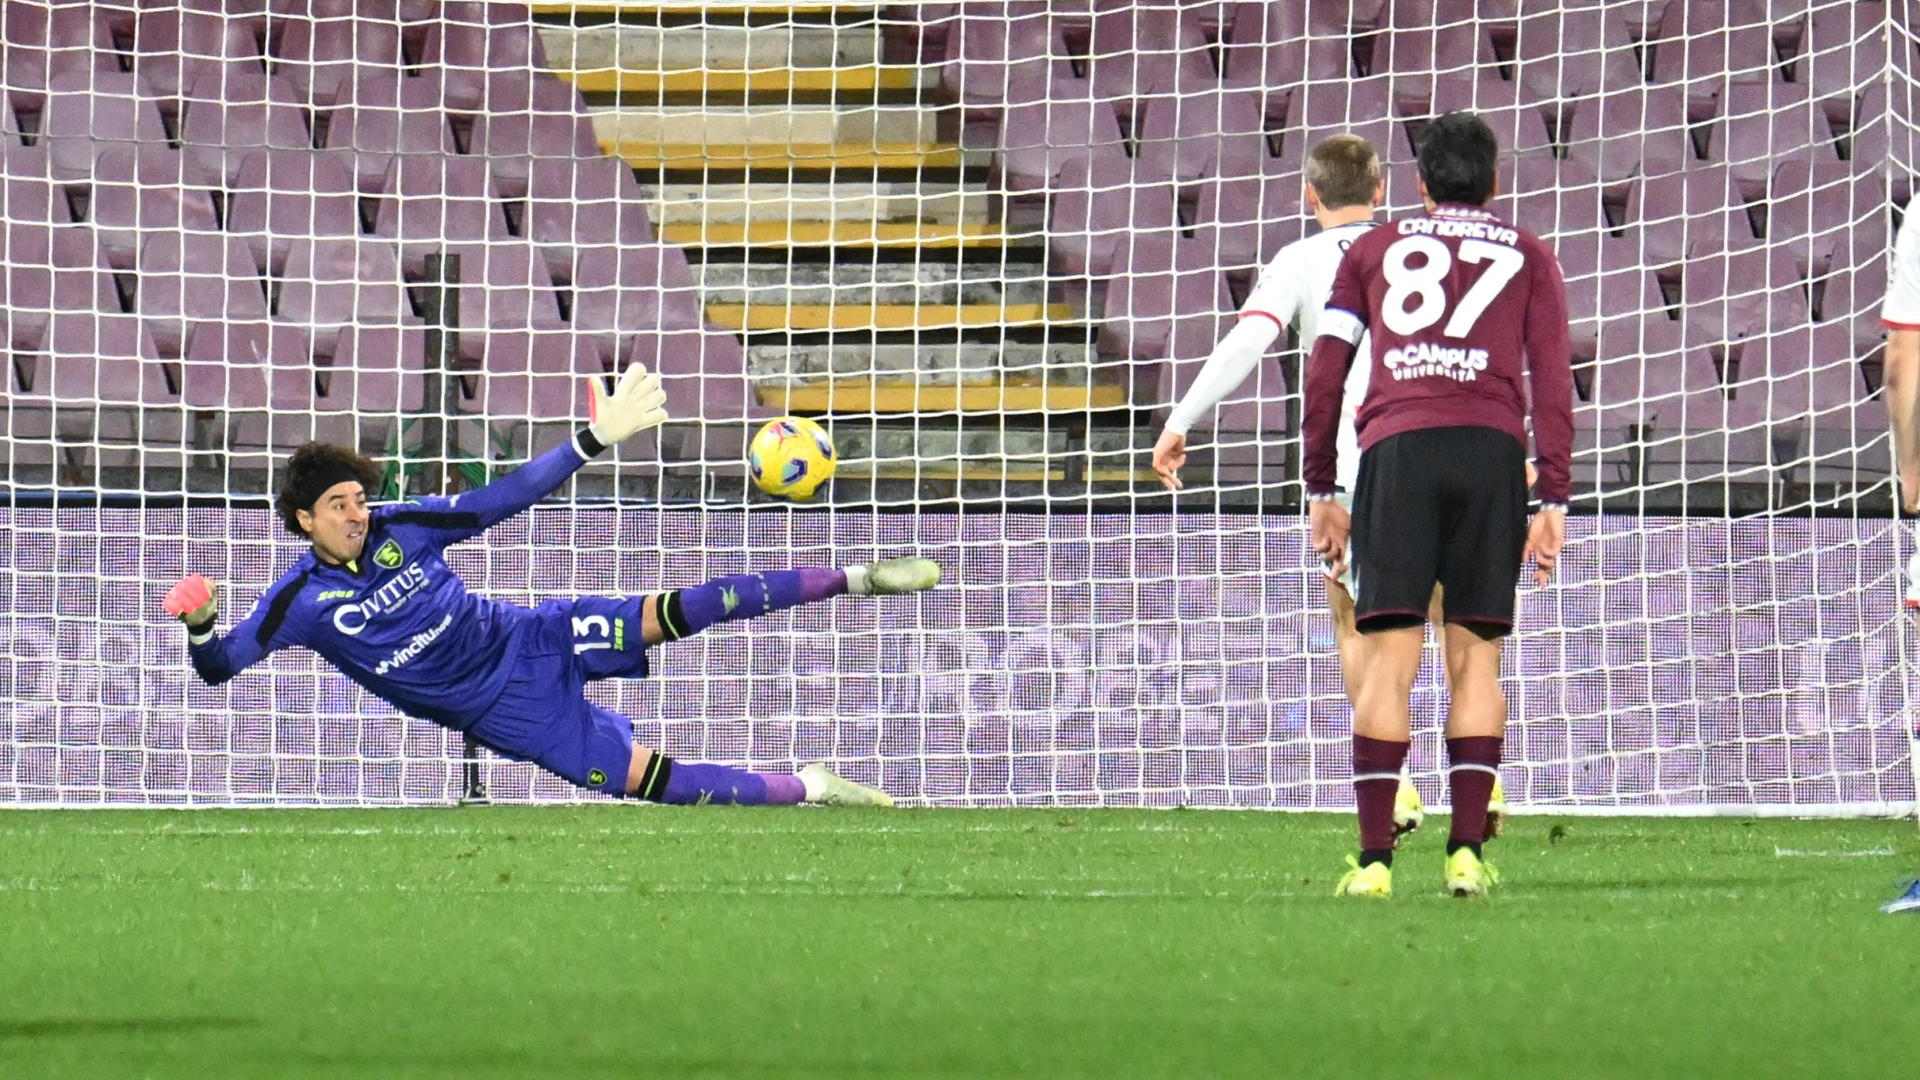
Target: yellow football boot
{"x": 1373, "y": 879}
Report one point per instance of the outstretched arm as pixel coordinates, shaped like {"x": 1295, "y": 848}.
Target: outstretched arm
{"x": 635, "y": 405}
{"x": 195, "y": 601}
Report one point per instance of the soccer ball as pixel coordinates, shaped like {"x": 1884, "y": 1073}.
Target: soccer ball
{"x": 790, "y": 457}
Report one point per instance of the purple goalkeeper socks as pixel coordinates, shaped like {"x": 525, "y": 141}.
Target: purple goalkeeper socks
{"x": 688, "y": 783}
{"x": 685, "y": 612}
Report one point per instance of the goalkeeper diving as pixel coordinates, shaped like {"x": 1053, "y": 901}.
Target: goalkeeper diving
{"x": 375, "y": 598}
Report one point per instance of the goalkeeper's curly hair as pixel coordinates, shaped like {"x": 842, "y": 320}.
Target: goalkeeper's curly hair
{"x": 313, "y": 469}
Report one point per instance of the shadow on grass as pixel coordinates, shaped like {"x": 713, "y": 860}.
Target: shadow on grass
{"x": 78, "y": 1026}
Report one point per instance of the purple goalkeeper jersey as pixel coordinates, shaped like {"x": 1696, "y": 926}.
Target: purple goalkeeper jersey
{"x": 1459, "y": 306}
{"x": 398, "y": 620}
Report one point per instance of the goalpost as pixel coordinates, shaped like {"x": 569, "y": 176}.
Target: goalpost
{"x": 988, "y": 244}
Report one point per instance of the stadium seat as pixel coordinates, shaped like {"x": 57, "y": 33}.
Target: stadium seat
{"x": 534, "y": 373}
{"x": 321, "y": 58}
{"x": 1169, "y": 296}
{"x": 39, "y": 41}
{"x": 335, "y": 282}
{"x": 172, "y": 46}
{"x": 511, "y": 133}
{"x": 623, "y": 290}
{"x": 1138, "y": 52}
{"x": 378, "y": 125}
{"x": 998, "y": 52}
{"x": 1818, "y": 209}
{"x": 226, "y": 116}
{"x": 483, "y": 37}
{"x": 1748, "y": 292}
{"x": 282, "y": 196}
{"x": 50, "y": 272}
{"x": 1846, "y": 51}
{"x": 1708, "y": 46}
{"x": 1362, "y": 107}
{"x": 1037, "y": 140}
{"x": 1766, "y": 123}
{"x": 437, "y": 200}
{"x": 1413, "y": 56}
{"x": 190, "y": 283}
{"x": 1633, "y": 132}
{"x": 1519, "y": 126}
{"x": 86, "y": 108}
{"x": 702, "y": 371}
{"x": 1096, "y": 205}
{"x": 1690, "y": 215}
{"x": 136, "y": 191}
{"x": 1570, "y": 53}
{"x": 1218, "y": 133}
{"x": 1612, "y": 296}
{"x": 505, "y": 285}
{"x": 27, "y": 191}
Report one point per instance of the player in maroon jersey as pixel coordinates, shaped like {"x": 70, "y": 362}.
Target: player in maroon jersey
{"x": 1460, "y": 306}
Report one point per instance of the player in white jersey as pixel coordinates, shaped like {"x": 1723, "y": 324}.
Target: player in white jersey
{"x": 1344, "y": 185}
{"x": 1901, "y": 313}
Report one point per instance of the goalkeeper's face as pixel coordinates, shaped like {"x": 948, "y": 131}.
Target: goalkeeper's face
{"x": 337, "y": 524}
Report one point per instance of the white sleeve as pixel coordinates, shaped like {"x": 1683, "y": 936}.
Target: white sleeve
{"x": 1902, "y": 308}
{"x": 1232, "y": 359}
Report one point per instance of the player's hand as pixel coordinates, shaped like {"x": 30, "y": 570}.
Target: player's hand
{"x": 194, "y": 600}
{"x": 1169, "y": 457}
{"x": 636, "y": 404}
{"x": 1533, "y": 476}
{"x": 1327, "y": 526}
{"x": 1545, "y": 536}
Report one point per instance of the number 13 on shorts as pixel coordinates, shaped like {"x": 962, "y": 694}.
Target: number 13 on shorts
{"x": 598, "y": 632}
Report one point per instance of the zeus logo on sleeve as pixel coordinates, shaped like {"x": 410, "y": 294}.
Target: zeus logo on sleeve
{"x": 350, "y": 619}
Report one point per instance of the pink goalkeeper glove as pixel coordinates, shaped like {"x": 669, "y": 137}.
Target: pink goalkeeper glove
{"x": 193, "y": 600}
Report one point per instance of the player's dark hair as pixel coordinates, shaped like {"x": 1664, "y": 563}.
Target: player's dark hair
{"x": 1458, "y": 156}
{"x": 1344, "y": 171}
{"x": 313, "y": 469}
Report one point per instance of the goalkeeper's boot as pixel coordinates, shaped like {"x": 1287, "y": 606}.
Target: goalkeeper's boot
{"x": 1469, "y": 875}
{"x": 1408, "y": 810}
{"x": 1374, "y": 880}
{"x": 891, "y": 577}
{"x": 1496, "y": 809}
{"x": 828, "y": 789}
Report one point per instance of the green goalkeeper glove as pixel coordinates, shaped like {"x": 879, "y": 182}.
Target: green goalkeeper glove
{"x": 636, "y": 404}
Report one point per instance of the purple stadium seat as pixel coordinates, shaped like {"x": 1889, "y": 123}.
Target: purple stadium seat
{"x": 136, "y": 191}
{"x": 1098, "y": 204}
{"x": 1690, "y": 215}
{"x": 1517, "y": 123}
{"x": 1709, "y": 45}
{"x": 1766, "y": 123}
{"x": 1802, "y": 378}
{"x": 534, "y": 373}
{"x": 1628, "y": 133}
{"x": 1246, "y": 222}
{"x": 1613, "y": 292}
{"x": 1362, "y": 107}
{"x": 27, "y": 191}
{"x": 1211, "y": 133}
{"x": 1747, "y": 292}
{"x": 512, "y": 136}
{"x": 505, "y": 285}
{"x": 1846, "y": 50}
{"x": 1038, "y": 139}
{"x": 377, "y": 129}
{"x": 1849, "y": 295}
{"x": 438, "y": 200}
{"x": 85, "y": 108}
{"x": 228, "y": 115}
{"x": 333, "y": 285}
{"x": 169, "y": 43}
{"x": 1575, "y": 52}
{"x": 483, "y": 37}
{"x": 190, "y": 282}
{"x": 49, "y": 272}
{"x": 1170, "y": 298}
{"x": 1413, "y": 55}
{"x": 322, "y": 57}
{"x": 280, "y": 196}
{"x": 626, "y": 289}
{"x": 1822, "y": 210}
{"x": 995, "y": 48}
{"x": 375, "y": 369}
{"x": 37, "y": 41}
{"x": 1141, "y": 51}
{"x": 589, "y": 200}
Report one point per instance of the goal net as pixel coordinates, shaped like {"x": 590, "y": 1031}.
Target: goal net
{"x": 988, "y": 244}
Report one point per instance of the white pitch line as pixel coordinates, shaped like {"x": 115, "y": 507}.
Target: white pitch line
{"x": 1882, "y": 852}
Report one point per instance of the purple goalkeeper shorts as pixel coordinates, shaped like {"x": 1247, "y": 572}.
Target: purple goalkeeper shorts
{"x": 543, "y": 714}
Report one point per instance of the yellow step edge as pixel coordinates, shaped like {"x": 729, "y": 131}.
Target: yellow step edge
{"x": 932, "y": 234}
{"x": 881, "y": 316}
{"x": 897, "y": 396}
{"x": 865, "y": 77}
{"x": 782, "y": 155}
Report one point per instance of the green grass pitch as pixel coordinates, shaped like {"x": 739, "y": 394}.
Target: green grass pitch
{"x": 618, "y": 941}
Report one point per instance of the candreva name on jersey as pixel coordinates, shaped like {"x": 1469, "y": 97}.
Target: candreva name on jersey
{"x": 1469, "y": 229}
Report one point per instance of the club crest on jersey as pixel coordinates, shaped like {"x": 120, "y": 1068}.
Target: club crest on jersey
{"x": 596, "y": 777}
{"x": 389, "y": 555}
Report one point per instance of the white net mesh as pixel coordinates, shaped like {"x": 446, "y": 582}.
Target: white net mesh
{"x": 989, "y": 243}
